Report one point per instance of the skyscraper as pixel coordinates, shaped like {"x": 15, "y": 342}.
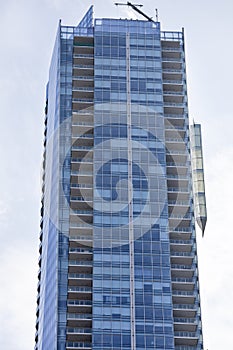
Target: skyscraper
{"x": 118, "y": 259}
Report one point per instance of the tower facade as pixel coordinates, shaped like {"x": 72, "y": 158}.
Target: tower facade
{"x": 118, "y": 259}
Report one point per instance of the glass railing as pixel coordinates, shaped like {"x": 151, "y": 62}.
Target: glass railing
{"x": 79, "y": 289}
{"x": 79, "y": 330}
{"x": 80, "y": 250}
{"x": 80, "y": 275}
{"x": 83, "y": 77}
{"x": 183, "y": 267}
{"x": 180, "y": 229}
{"x": 81, "y": 345}
{"x": 167, "y": 81}
{"x": 79, "y": 302}
{"x": 175, "y": 216}
{"x": 77, "y": 172}
{"x": 177, "y": 189}
{"x": 182, "y": 254}
{"x": 77, "y": 55}
{"x": 175, "y": 49}
{"x": 80, "y": 263}
{"x": 185, "y": 320}
{"x": 81, "y": 147}
{"x": 87, "y": 89}
{"x": 85, "y": 100}
{"x": 82, "y": 136}
{"x": 82, "y": 160}
{"x": 81, "y": 123}
{"x": 80, "y": 199}
{"x": 181, "y": 242}
{"x": 175, "y": 139}
{"x": 91, "y": 66}
{"x": 185, "y": 306}
{"x": 82, "y": 238}
{"x": 79, "y": 224}
{"x": 185, "y": 280}
{"x": 79, "y": 316}
{"x": 174, "y": 104}
{"x": 186, "y": 334}
{"x": 169, "y": 92}
{"x": 82, "y": 212}
{"x": 178, "y": 177}
{"x": 183, "y": 293}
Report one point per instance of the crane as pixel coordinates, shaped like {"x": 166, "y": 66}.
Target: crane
{"x": 135, "y": 7}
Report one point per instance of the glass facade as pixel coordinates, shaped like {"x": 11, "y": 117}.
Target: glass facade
{"x": 118, "y": 260}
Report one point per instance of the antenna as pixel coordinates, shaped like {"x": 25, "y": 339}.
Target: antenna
{"x": 135, "y": 8}
{"x": 157, "y": 15}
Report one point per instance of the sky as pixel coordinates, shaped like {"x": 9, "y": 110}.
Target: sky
{"x": 28, "y": 29}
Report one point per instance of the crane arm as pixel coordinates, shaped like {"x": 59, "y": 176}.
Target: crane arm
{"x": 135, "y": 8}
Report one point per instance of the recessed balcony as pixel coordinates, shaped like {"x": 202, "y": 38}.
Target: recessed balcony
{"x": 79, "y": 334}
{"x": 182, "y": 284}
{"x": 185, "y": 310}
{"x": 182, "y": 271}
{"x": 182, "y": 220}
{"x": 83, "y": 50}
{"x": 182, "y": 246}
{"x": 78, "y": 346}
{"x": 79, "y": 306}
{"x": 186, "y": 338}
{"x": 182, "y": 258}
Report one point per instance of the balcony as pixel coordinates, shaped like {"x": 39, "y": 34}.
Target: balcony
{"x": 178, "y": 207}
{"x": 172, "y": 65}
{"x": 185, "y": 310}
{"x": 82, "y": 166}
{"x": 83, "y": 92}
{"x": 76, "y": 293}
{"x": 182, "y": 284}
{"x": 83, "y": 59}
{"x": 83, "y": 70}
{"x": 82, "y": 177}
{"x": 80, "y": 263}
{"x": 181, "y": 246}
{"x": 81, "y": 151}
{"x": 78, "y": 345}
{"x": 186, "y": 338}
{"x": 79, "y": 306}
{"x": 85, "y": 51}
{"x": 82, "y": 189}
{"x": 174, "y": 108}
{"x": 179, "y": 194}
{"x": 185, "y": 324}
{"x": 80, "y": 104}
{"x": 177, "y": 166}
{"x": 79, "y": 334}
{"x": 172, "y": 74}
{"x": 174, "y": 82}
{"x": 182, "y": 258}
{"x": 82, "y": 204}
{"x": 182, "y": 271}
{"x": 176, "y": 142}
{"x": 82, "y": 140}
{"x": 178, "y": 132}
{"x": 180, "y": 233}
{"x": 171, "y": 53}
{"x": 79, "y": 320}
{"x": 83, "y": 83}
{"x": 173, "y": 97}
{"x": 179, "y": 220}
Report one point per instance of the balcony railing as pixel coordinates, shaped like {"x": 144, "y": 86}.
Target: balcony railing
{"x": 79, "y": 316}
{"x": 79, "y": 289}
